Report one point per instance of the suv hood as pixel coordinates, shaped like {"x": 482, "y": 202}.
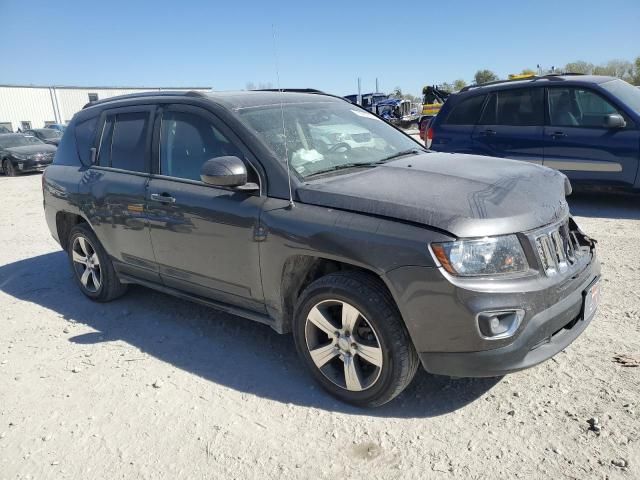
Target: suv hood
{"x": 466, "y": 195}
{"x": 31, "y": 149}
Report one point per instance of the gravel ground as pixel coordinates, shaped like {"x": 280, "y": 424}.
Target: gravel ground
{"x": 154, "y": 387}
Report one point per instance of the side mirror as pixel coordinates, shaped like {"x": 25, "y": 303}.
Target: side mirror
{"x": 614, "y": 121}
{"x": 224, "y": 172}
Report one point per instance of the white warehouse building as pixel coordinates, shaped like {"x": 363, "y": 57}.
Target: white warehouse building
{"x": 26, "y": 106}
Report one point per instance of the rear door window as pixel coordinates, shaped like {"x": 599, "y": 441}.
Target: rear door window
{"x": 466, "y": 112}
{"x": 520, "y": 107}
{"x": 124, "y": 143}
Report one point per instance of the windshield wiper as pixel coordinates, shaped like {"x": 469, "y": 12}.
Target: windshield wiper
{"x": 342, "y": 166}
{"x": 411, "y": 151}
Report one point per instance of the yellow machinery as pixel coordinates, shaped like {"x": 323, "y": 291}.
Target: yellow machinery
{"x": 521, "y": 76}
{"x": 432, "y": 100}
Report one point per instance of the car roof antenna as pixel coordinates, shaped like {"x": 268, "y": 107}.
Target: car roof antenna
{"x": 284, "y": 130}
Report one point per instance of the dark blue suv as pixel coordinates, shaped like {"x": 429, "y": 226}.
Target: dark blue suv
{"x": 586, "y": 126}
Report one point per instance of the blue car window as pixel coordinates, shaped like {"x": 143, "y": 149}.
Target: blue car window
{"x": 578, "y": 107}
{"x": 521, "y": 107}
{"x": 466, "y": 112}
{"x": 515, "y": 107}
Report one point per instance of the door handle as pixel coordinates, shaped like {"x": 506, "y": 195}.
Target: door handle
{"x": 555, "y": 135}
{"x": 488, "y": 133}
{"x": 162, "y": 197}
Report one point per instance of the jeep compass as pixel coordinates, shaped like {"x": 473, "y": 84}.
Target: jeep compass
{"x": 305, "y": 212}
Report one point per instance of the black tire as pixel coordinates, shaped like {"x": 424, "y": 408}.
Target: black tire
{"x": 369, "y": 296}
{"x": 8, "y": 169}
{"x": 110, "y": 286}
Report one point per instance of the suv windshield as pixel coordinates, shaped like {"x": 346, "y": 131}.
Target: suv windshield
{"x": 326, "y": 136}
{"x": 628, "y": 94}
{"x": 18, "y": 141}
{"x": 50, "y": 133}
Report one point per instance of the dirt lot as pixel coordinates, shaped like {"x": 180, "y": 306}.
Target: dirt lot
{"x": 154, "y": 387}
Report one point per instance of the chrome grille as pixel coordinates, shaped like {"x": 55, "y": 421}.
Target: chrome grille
{"x": 558, "y": 249}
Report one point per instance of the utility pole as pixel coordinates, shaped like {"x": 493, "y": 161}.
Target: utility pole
{"x": 359, "y": 92}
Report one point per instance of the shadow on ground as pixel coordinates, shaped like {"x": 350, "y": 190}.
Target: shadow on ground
{"x": 605, "y": 205}
{"x": 218, "y": 347}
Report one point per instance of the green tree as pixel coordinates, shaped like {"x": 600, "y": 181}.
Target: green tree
{"x": 397, "y": 93}
{"x": 260, "y": 86}
{"x": 411, "y": 98}
{"x": 580, "y": 66}
{"x": 636, "y": 72}
{"x": 485, "y": 76}
{"x": 459, "y": 85}
{"x": 615, "y": 68}
{"x": 527, "y": 71}
{"x": 446, "y": 86}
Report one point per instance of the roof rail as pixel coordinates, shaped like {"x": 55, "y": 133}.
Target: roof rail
{"x": 495, "y": 82}
{"x": 293, "y": 90}
{"x": 301, "y": 90}
{"x": 162, "y": 93}
{"x": 533, "y": 78}
{"x": 564, "y": 74}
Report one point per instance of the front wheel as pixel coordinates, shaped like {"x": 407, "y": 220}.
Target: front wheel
{"x": 350, "y": 335}
{"x": 8, "y": 168}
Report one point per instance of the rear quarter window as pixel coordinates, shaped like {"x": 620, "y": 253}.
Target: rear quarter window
{"x": 85, "y": 138}
{"x": 466, "y": 112}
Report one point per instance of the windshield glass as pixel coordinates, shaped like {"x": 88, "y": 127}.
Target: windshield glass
{"x": 325, "y": 136}
{"x": 50, "y": 133}
{"x": 628, "y": 94}
{"x": 19, "y": 141}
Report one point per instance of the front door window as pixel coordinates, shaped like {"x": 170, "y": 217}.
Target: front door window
{"x": 189, "y": 140}
{"x": 578, "y": 107}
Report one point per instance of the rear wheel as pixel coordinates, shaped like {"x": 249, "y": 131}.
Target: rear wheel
{"x": 349, "y": 333}
{"x": 92, "y": 268}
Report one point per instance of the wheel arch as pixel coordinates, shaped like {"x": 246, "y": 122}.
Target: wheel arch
{"x": 65, "y": 221}
{"x": 299, "y": 271}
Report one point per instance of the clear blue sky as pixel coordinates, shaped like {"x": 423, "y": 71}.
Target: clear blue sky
{"x": 324, "y": 44}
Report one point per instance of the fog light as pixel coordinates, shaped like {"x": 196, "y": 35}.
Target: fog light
{"x": 494, "y": 325}
{"x": 500, "y": 324}
{"x": 20, "y": 165}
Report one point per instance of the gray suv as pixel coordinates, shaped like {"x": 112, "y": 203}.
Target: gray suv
{"x": 307, "y": 213}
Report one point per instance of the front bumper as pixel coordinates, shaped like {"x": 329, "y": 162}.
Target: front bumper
{"x": 30, "y": 165}
{"x": 441, "y": 319}
{"x": 546, "y": 334}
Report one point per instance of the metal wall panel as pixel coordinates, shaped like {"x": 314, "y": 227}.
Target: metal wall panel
{"x": 25, "y": 104}
{"x": 38, "y": 105}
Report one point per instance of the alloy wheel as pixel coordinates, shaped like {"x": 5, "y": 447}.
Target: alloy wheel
{"x": 86, "y": 264}
{"x": 343, "y": 345}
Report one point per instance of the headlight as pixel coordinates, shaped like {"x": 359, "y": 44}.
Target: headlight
{"x": 18, "y": 156}
{"x": 484, "y": 256}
